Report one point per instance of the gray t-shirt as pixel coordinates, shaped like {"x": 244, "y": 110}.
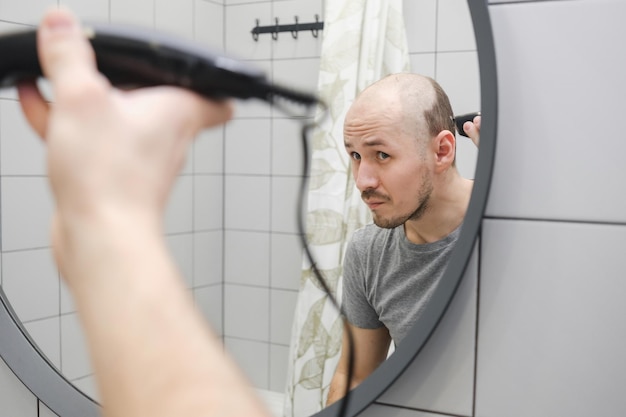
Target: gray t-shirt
{"x": 388, "y": 280}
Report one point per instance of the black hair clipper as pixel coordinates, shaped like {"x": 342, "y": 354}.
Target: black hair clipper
{"x": 460, "y": 120}
{"x": 131, "y": 57}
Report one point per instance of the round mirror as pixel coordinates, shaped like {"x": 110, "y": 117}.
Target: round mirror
{"x": 42, "y": 342}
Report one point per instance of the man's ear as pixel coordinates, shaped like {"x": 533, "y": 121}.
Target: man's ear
{"x": 445, "y": 148}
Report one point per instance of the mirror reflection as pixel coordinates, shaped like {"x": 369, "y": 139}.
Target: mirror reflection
{"x": 231, "y": 222}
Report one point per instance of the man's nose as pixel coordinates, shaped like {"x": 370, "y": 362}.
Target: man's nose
{"x": 365, "y": 177}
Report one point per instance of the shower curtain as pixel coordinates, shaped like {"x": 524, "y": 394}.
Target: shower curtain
{"x": 363, "y": 40}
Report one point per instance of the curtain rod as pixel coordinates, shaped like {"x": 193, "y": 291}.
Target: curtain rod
{"x": 314, "y": 27}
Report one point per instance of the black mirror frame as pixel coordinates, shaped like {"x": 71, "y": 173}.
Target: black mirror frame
{"x": 43, "y": 379}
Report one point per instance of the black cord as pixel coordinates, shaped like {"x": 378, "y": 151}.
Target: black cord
{"x": 306, "y": 127}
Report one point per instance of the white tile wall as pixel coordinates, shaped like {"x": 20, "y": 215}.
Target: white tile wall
{"x": 547, "y": 168}
{"x": 247, "y": 203}
{"x": 242, "y": 321}
{"x": 208, "y": 256}
{"x": 74, "y": 358}
{"x": 181, "y": 248}
{"x": 26, "y": 271}
{"x": 240, "y": 19}
{"x": 179, "y": 211}
{"x": 21, "y": 150}
{"x": 175, "y": 17}
{"x": 88, "y": 10}
{"x": 246, "y": 258}
{"x": 282, "y": 306}
{"x": 284, "y": 199}
{"x": 248, "y": 150}
{"x": 47, "y": 333}
{"x": 208, "y": 202}
{"x": 210, "y": 301}
{"x": 252, "y": 356}
{"x": 209, "y": 24}
{"x": 286, "y": 261}
{"x": 17, "y": 400}
{"x": 549, "y": 340}
{"x": 26, "y": 213}
{"x": 25, "y": 12}
{"x": 135, "y": 12}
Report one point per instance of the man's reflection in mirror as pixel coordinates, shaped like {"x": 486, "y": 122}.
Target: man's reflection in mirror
{"x": 400, "y": 136}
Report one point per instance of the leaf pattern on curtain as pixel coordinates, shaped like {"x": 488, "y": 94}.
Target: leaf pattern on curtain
{"x": 363, "y": 40}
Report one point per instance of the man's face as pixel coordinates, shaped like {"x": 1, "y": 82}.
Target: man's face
{"x": 390, "y": 167}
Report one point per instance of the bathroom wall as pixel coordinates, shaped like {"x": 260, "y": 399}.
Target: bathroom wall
{"x": 231, "y": 223}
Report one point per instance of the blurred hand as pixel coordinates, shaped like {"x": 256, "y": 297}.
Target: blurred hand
{"x": 472, "y": 129}
{"x": 112, "y": 155}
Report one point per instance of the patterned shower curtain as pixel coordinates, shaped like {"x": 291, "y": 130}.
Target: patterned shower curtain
{"x": 363, "y": 40}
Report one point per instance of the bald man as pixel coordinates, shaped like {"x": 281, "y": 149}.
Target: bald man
{"x": 399, "y": 134}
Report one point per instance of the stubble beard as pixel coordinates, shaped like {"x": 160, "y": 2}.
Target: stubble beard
{"x": 423, "y": 198}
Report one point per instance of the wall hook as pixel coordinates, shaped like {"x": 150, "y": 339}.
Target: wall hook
{"x": 315, "y": 32}
{"x": 294, "y": 33}
{"x": 276, "y": 30}
{"x": 255, "y": 31}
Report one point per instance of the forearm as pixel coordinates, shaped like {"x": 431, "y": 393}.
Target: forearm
{"x": 136, "y": 313}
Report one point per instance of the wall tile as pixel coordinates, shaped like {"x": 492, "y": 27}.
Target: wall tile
{"x": 87, "y": 385}
{"x": 47, "y": 335}
{"x": 248, "y": 147}
{"x": 458, "y": 74}
{"x": 209, "y": 24}
{"x": 26, "y": 213}
{"x": 247, "y": 203}
{"x": 208, "y": 152}
{"x": 287, "y": 147}
{"x": 423, "y": 63}
{"x": 545, "y": 169}
{"x": 179, "y": 211}
{"x": 208, "y": 202}
{"x": 88, "y": 10}
{"x": 175, "y": 17}
{"x": 282, "y": 311}
{"x": 246, "y": 312}
{"x": 286, "y": 261}
{"x": 21, "y": 150}
{"x": 441, "y": 378}
{"x": 306, "y": 45}
{"x": 455, "y": 29}
{"x": 45, "y": 411}
{"x": 208, "y": 255}
{"x": 135, "y": 12}
{"x": 75, "y": 362}
{"x": 252, "y": 358}
{"x": 300, "y": 74}
{"x": 31, "y": 282}
{"x": 420, "y": 21}
{"x": 210, "y": 301}
{"x": 29, "y": 12}
{"x": 15, "y": 398}
{"x": 279, "y": 362}
{"x": 240, "y": 19}
{"x": 285, "y": 194}
{"x": 181, "y": 248}
{"x": 547, "y": 338}
{"x": 254, "y": 247}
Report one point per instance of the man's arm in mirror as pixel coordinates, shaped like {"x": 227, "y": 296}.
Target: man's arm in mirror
{"x": 113, "y": 157}
{"x": 370, "y": 350}
{"x": 472, "y": 129}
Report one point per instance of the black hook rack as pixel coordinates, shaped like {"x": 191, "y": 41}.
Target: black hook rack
{"x": 314, "y": 27}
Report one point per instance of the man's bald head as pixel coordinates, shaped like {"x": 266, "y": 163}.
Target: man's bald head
{"x": 420, "y": 103}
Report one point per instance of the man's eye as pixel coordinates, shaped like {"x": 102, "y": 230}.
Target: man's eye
{"x": 355, "y": 156}
{"x": 382, "y": 155}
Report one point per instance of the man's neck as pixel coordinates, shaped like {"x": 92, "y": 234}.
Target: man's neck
{"x": 445, "y": 213}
